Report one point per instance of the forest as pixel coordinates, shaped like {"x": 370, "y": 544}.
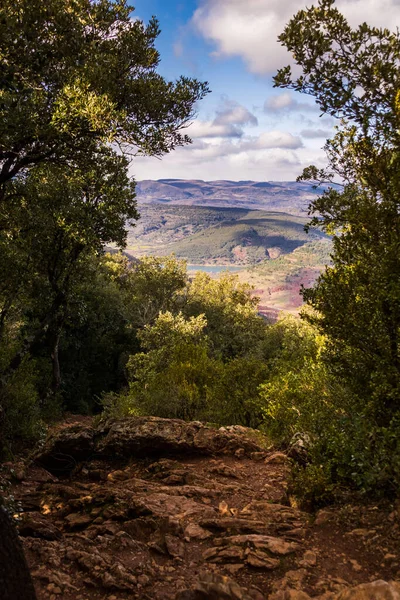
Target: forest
{"x": 91, "y": 332}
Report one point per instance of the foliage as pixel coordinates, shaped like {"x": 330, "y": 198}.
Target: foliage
{"x": 233, "y": 326}
{"x": 353, "y": 75}
{"x": 307, "y": 408}
{"x": 203, "y": 358}
{"x": 155, "y": 285}
{"x": 173, "y": 377}
{"x": 77, "y": 74}
{"x": 80, "y": 94}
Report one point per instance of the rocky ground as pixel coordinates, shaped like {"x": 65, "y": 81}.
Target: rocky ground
{"x": 158, "y": 509}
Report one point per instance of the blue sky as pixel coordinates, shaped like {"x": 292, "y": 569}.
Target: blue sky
{"x": 244, "y": 129}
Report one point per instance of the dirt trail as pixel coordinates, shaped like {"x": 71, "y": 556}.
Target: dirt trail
{"x": 194, "y": 527}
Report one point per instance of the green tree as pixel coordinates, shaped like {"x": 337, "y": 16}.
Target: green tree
{"x": 233, "y": 325}
{"x": 76, "y": 74}
{"x": 353, "y": 75}
{"x": 79, "y": 95}
{"x": 174, "y": 376}
{"x": 154, "y": 285}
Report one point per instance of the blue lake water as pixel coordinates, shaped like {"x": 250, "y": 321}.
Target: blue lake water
{"x": 214, "y": 268}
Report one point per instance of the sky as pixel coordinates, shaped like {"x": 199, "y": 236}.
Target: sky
{"x": 244, "y": 129}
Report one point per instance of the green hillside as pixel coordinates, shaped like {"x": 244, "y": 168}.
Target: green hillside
{"x": 218, "y": 236}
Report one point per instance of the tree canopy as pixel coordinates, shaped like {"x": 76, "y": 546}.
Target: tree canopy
{"x": 353, "y": 74}
{"x": 80, "y": 96}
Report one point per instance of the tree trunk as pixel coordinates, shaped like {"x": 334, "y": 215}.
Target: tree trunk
{"x": 15, "y": 579}
{"x": 56, "y": 381}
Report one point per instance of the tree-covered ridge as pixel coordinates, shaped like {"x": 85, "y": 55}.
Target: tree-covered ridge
{"x": 218, "y": 235}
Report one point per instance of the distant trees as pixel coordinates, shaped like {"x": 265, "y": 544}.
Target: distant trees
{"x": 201, "y": 347}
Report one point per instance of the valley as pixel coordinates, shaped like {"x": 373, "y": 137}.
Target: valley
{"x": 268, "y": 249}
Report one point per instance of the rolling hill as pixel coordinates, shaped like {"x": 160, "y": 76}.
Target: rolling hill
{"x": 224, "y": 236}
{"x": 283, "y": 196}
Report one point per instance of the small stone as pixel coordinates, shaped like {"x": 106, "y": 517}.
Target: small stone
{"x": 356, "y": 566}
{"x": 240, "y": 452}
{"x": 175, "y": 546}
{"x": 309, "y": 559}
{"x": 196, "y": 532}
{"x": 118, "y": 476}
{"x": 233, "y": 569}
{"x": 277, "y": 458}
{"x": 143, "y": 580}
{"x": 257, "y": 455}
{"x": 323, "y": 516}
{"x": 389, "y": 557}
{"x": 260, "y": 560}
{"x": 78, "y": 521}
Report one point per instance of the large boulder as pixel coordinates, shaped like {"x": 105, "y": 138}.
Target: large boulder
{"x": 143, "y": 436}
{"x": 376, "y": 590}
{"x": 211, "y": 586}
{"x": 138, "y": 437}
{"x": 66, "y": 447}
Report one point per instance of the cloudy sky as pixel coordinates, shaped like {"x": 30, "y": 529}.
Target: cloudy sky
{"x": 245, "y": 129}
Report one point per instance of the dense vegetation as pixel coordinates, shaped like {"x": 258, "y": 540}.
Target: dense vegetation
{"x": 81, "y": 329}
{"x": 79, "y": 91}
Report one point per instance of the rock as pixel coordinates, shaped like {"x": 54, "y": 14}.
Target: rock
{"x": 233, "y": 524}
{"x": 309, "y": 559}
{"x": 139, "y": 436}
{"x": 224, "y": 555}
{"x": 36, "y": 525}
{"x": 196, "y": 532}
{"x": 323, "y": 516}
{"x": 175, "y": 546}
{"x": 211, "y": 586}
{"x": 277, "y": 458}
{"x": 290, "y": 595}
{"x": 260, "y": 455}
{"x": 264, "y": 542}
{"x": 261, "y": 560}
{"x": 144, "y": 436}
{"x": 64, "y": 448}
{"x": 118, "y": 476}
{"x": 376, "y": 590}
{"x": 78, "y": 521}
{"x": 356, "y": 566}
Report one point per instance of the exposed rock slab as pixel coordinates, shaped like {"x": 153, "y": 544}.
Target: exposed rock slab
{"x": 376, "y": 590}
{"x": 138, "y": 437}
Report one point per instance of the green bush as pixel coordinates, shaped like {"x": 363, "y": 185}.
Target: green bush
{"x": 20, "y": 418}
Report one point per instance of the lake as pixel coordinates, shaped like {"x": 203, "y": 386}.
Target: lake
{"x": 214, "y": 268}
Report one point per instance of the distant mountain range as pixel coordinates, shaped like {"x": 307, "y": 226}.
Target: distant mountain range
{"x": 283, "y": 196}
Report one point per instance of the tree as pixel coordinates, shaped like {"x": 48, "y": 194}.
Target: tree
{"x": 76, "y": 74}
{"x": 233, "y": 326}
{"x": 78, "y": 81}
{"x": 353, "y": 74}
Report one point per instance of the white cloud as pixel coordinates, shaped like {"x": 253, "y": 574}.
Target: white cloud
{"x": 316, "y": 133}
{"x": 228, "y": 122}
{"x": 285, "y": 102}
{"x": 235, "y": 113}
{"x": 249, "y": 28}
{"x": 208, "y": 164}
{"x": 278, "y": 139}
{"x": 211, "y": 129}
